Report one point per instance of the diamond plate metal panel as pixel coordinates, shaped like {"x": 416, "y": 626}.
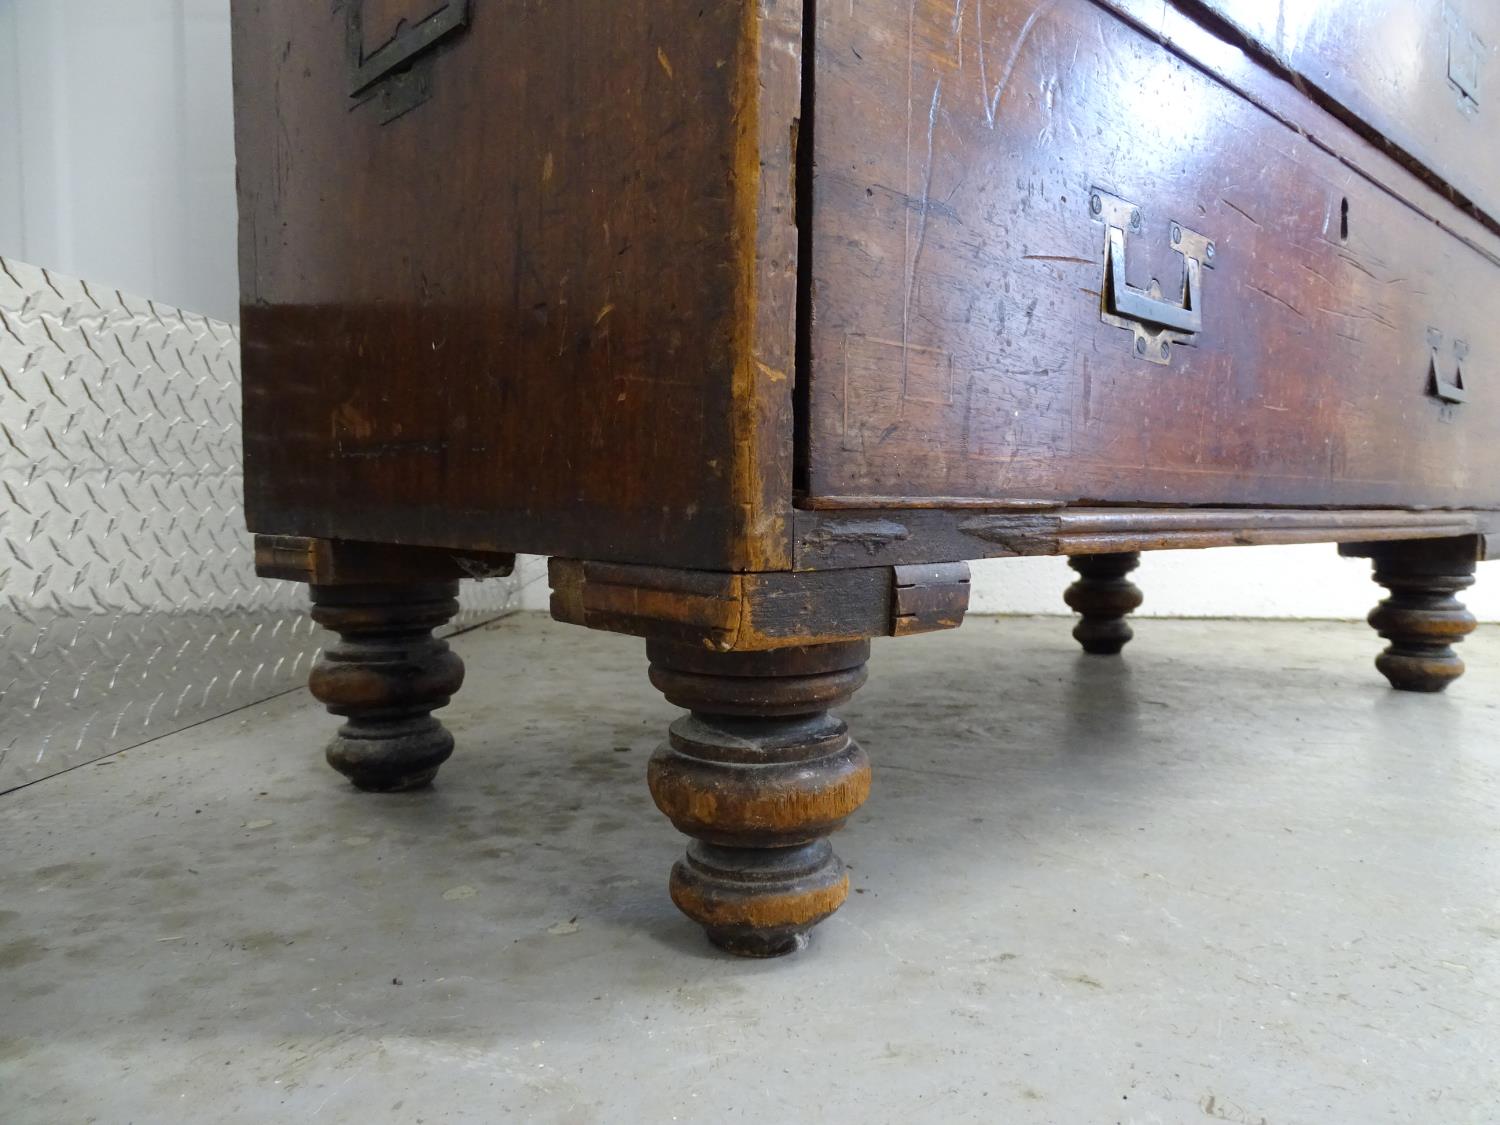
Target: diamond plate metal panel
{"x": 129, "y": 605}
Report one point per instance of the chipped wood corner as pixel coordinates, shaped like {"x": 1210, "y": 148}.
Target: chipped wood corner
{"x": 341, "y": 562}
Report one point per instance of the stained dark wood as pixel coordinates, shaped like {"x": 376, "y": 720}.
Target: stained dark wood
{"x": 1104, "y": 595}
{"x": 1422, "y": 618}
{"x": 336, "y": 562}
{"x": 758, "y": 612}
{"x": 759, "y": 774}
{"x": 765, "y": 315}
{"x": 1398, "y": 72}
{"x": 386, "y": 675}
{"x": 1203, "y": 42}
{"x": 928, "y": 598}
{"x": 957, "y": 348}
{"x": 553, "y": 305}
{"x": 831, "y": 540}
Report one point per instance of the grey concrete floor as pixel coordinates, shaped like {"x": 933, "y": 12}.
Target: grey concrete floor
{"x": 1229, "y": 877}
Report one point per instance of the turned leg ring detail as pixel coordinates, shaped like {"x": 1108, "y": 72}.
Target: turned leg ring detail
{"x": 759, "y": 774}
{"x": 1423, "y": 620}
{"x": 1105, "y": 596}
{"x": 386, "y": 675}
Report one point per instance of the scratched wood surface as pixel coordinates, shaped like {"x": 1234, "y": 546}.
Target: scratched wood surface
{"x": 1214, "y": 47}
{"x": 956, "y": 345}
{"x": 833, "y": 540}
{"x": 1424, "y": 75}
{"x": 552, "y": 307}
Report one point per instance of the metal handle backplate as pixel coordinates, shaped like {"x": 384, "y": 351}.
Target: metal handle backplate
{"x": 1155, "y": 321}
{"x": 1143, "y": 305}
{"x": 1450, "y": 391}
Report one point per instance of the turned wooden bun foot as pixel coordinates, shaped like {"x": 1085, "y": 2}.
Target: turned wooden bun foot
{"x": 759, "y": 902}
{"x": 385, "y": 676}
{"x": 1104, "y": 595}
{"x": 759, "y": 774}
{"x": 1423, "y": 620}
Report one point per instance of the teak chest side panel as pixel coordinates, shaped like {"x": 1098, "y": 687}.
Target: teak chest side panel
{"x": 551, "y": 304}
{"x": 957, "y": 343}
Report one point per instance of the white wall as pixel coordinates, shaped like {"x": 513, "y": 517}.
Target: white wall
{"x": 1298, "y": 582}
{"x": 116, "y": 150}
{"x": 117, "y": 165}
{"x": 1302, "y": 581}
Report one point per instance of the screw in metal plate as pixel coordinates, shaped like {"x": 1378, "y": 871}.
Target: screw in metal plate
{"x": 1096, "y": 204}
{"x": 1209, "y": 251}
{"x": 1135, "y": 220}
{"x": 1164, "y": 350}
{"x": 1176, "y": 234}
{"x": 1140, "y": 345}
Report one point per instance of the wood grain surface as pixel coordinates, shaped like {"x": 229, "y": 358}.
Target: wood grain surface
{"x": 649, "y": 282}
{"x": 1421, "y": 76}
{"x": 957, "y": 348}
{"x": 758, "y": 612}
{"x": 834, "y": 540}
{"x": 553, "y": 305}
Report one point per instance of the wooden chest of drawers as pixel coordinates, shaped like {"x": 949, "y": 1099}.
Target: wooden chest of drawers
{"x": 762, "y": 316}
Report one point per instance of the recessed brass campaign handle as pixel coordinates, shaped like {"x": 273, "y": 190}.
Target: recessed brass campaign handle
{"x": 1126, "y": 300}
{"x": 1439, "y": 386}
{"x": 1153, "y": 320}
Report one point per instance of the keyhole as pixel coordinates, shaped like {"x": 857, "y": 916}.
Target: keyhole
{"x": 1344, "y": 220}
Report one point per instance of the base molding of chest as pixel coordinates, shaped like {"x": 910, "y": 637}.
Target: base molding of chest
{"x": 834, "y": 539}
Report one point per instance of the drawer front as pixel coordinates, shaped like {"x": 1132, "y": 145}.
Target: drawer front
{"x": 976, "y": 163}
{"x": 1423, "y": 74}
